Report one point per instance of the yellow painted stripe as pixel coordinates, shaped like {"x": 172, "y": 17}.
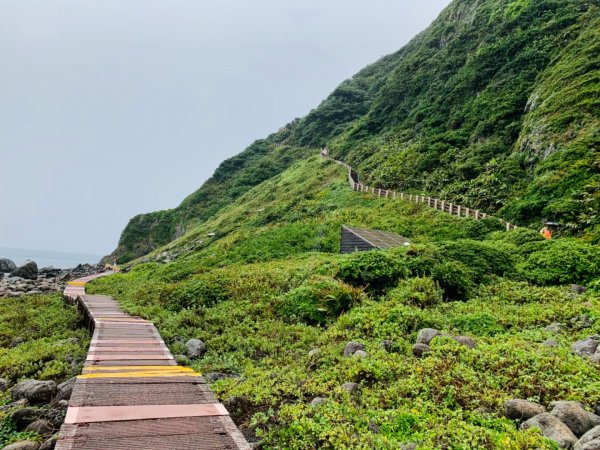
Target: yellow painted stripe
{"x": 138, "y": 367}
{"x": 139, "y": 375}
{"x": 76, "y": 283}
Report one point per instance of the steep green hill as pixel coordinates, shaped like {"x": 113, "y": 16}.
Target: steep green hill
{"x": 262, "y": 284}
{"x": 494, "y": 106}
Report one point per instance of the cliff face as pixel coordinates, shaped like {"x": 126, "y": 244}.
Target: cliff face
{"x": 494, "y": 106}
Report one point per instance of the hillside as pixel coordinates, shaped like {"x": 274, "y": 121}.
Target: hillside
{"x": 494, "y": 106}
{"x": 262, "y": 284}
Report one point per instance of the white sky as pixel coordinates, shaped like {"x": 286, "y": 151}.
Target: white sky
{"x": 110, "y": 108}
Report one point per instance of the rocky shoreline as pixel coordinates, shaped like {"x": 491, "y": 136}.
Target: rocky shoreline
{"x": 27, "y": 279}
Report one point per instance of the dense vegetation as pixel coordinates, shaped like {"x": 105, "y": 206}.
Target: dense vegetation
{"x": 40, "y": 338}
{"x": 262, "y": 284}
{"x": 494, "y": 106}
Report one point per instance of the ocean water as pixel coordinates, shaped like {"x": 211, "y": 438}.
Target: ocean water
{"x": 45, "y": 258}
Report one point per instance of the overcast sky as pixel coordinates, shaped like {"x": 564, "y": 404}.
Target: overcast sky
{"x": 110, "y": 108}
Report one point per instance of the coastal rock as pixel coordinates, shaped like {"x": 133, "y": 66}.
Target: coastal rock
{"x": 317, "y": 401}
{"x": 29, "y": 271}
{"x": 550, "y": 343}
{"x": 34, "y": 391}
{"x": 386, "y": 345}
{"x": 574, "y": 416}
{"x": 352, "y": 347}
{"x": 426, "y": 335}
{"x": 23, "y": 445}
{"x": 419, "y": 350}
{"x": 350, "y": 387}
{"x": 582, "y": 322}
{"x": 555, "y": 328}
{"x": 195, "y": 348}
{"x": 467, "y": 341}
{"x": 64, "y": 391}
{"x": 24, "y": 416}
{"x": 41, "y": 427}
{"x": 49, "y": 444}
{"x": 7, "y": 265}
{"x": 590, "y": 440}
{"x": 211, "y": 377}
{"x": 517, "y": 409}
{"x": 360, "y": 354}
{"x": 578, "y": 289}
{"x": 314, "y": 352}
{"x": 553, "y": 428}
{"x": 586, "y": 347}
{"x": 3, "y": 385}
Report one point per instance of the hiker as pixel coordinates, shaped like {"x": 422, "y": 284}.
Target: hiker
{"x": 546, "y": 232}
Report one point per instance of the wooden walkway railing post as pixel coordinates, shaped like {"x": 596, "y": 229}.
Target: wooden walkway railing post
{"x": 442, "y": 205}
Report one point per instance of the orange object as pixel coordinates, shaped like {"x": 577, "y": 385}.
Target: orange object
{"x": 546, "y": 232}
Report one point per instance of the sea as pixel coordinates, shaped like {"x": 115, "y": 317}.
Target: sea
{"x": 45, "y": 258}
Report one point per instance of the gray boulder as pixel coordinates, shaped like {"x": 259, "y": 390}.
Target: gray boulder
{"x": 467, "y": 341}
{"x": 419, "y": 350}
{"x": 555, "y": 328}
{"x": 195, "y": 348}
{"x": 517, "y": 409}
{"x": 360, "y": 354}
{"x": 34, "y": 391}
{"x": 29, "y": 271}
{"x": 574, "y": 416}
{"x": 24, "y": 416}
{"x": 7, "y": 265}
{"x": 211, "y": 377}
{"x": 49, "y": 444}
{"x": 586, "y": 347}
{"x": 582, "y": 322}
{"x": 386, "y": 345}
{"x": 314, "y": 352}
{"x": 578, "y": 289}
{"x": 553, "y": 428}
{"x": 350, "y": 387}
{"x": 318, "y": 401}
{"x": 3, "y": 385}
{"x": 41, "y": 427}
{"x": 24, "y": 445}
{"x": 590, "y": 440}
{"x": 64, "y": 391}
{"x": 550, "y": 343}
{"x": 426, "y": 335}
{"x": 352, "y": 347}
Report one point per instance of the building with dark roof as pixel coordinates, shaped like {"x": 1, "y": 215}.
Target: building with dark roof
{"x": 360, "y": 240}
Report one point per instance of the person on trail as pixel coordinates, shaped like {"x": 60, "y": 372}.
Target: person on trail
{"x": 546, "y": 232}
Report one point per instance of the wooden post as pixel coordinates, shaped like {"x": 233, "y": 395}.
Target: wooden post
{"x": 459, "y": 211}
{"x": 468, "y": 212}
{"x": 507, "y": 226}
{"x": 378, "y": 192}
{"x": 373, "y": 190}
{"x": 387, "y": 193}
{"x": 443, "y": 205}
{"x": 477, "y": 214}
{"x": 394, "y": 195}
{"x": 435, "y": 201}
{"x": 450, "y": 210}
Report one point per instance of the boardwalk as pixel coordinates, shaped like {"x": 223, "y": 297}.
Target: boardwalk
{"x": 132, "y": 394}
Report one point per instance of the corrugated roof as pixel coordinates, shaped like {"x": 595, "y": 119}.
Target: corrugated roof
{"x": 379, "y": 239}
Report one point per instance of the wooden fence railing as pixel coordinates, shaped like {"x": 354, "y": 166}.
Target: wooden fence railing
{"x": 441, "y": 205}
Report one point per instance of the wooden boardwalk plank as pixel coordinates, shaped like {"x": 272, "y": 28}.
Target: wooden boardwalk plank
{"x": 132, "y": 394}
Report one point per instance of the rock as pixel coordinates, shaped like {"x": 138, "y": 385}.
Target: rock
{"x": 426, "y": 335}
{"x": 386, "y": 345}
{"x": 574, "y": 416}
{"x": 211, "y": 377}
{"x": 63, "y": 404}
{"x": 3, "y": 384}
{"x": 555, "y": 328}
{"x": 23, "y": 445}
{"x": 7, "y": 265}
{"x": 553, "y": 428}
{"x": 64, "y": 391}
{"x": 314, "y": 352}
{"x": 467, "y": 341}
{"x": 195, "y": 348}
{"x": 419, "y": 350}
{"x": 517, "y": 409}
{"x": 352, "y": 347}
{"x": 586, "y": 347}
{"x": 350, "y": 387}
{"x": 360, "y": 354}
{"x": 590, "y": 440}
{"x": 595, "y": 358}
{"x": 582, "y": 322}
{"x": 578, "y": 289}
{"x": 41, "y": 427}
{"x": 24, "y": 416}
{"x": 16, "y": 341}
{"x": 29, "y": 271}
{"x": 49, "y": 444}
{"x": 373, "y": 427}
{"x": 56, "y": 416}
{"x": 237, "y": 407}
{"x": 34, "y": 391}
{"x": 317, "y": 401}
{"x": 597, "y": 408}
{"x": 410, "y": 446}
{"x": 550, "y": 343}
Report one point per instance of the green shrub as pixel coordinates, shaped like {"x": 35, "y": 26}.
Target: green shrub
{"x": 562, "y": 261}
{"x": 376, "y": 270}
{"x": 317, "y": 300}
{"x": 478, "y": 324}
{"x": 482, "y": 258}
{"x": 421, "y": 292}
{"x": 519, "y": 237}
{"x": 195, "y": 292}
{"x": 455, "y": 279}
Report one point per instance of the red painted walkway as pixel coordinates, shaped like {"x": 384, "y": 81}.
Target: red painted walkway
{"x": 132, "y": 394}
